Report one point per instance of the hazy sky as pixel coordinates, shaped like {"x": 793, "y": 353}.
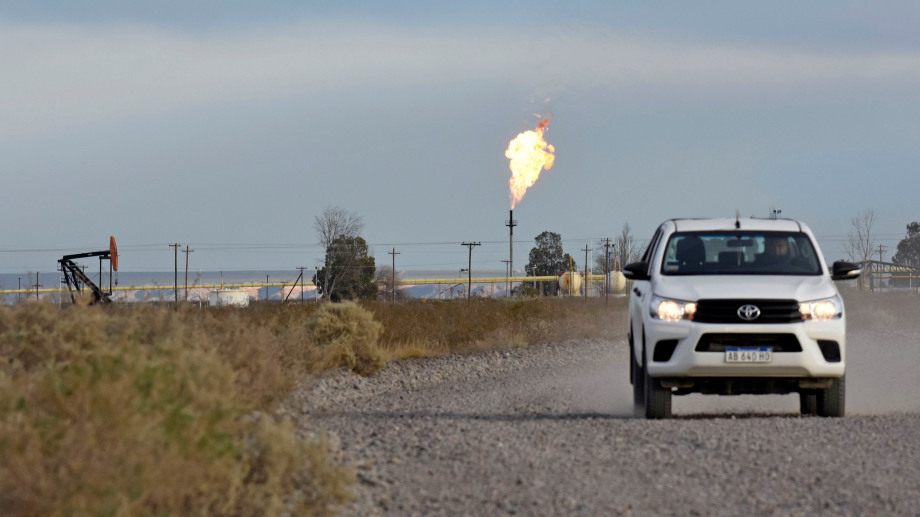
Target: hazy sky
{"x": 229, "y": 126}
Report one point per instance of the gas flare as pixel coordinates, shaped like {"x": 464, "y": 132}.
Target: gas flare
{"x": 529, "y": 154}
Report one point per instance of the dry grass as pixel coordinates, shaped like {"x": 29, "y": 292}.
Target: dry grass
{"x": 149, "y": 411}
{"x": 146, "y": 410}
{"x": 419, "y": 328}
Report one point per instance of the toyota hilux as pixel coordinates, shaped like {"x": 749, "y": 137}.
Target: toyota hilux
{"x": 737, "y": 306}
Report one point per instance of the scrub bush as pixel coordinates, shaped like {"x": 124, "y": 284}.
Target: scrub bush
{"x": 349, "y": 334}
{"x": 148, "y": 411}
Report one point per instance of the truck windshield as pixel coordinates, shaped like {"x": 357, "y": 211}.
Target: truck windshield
{"x": 740, "y": 253}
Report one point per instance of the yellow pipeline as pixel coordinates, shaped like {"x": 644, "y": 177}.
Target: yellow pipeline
{"x": 401, "y": 281}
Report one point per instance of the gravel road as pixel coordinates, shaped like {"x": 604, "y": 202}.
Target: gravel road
{"x": 548, "y": 430}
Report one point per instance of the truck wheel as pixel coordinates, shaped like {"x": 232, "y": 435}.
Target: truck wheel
{"x": 637, "y": 376}
{"x": 808, "y": 402}
{"x": 832, "y": 401}
{"x": 657, "y": 398}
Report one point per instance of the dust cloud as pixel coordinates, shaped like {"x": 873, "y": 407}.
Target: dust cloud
{"x": 883, "y": 373}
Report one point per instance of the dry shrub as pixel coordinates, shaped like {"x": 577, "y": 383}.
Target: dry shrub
{"x": 148, "y": 411}
{"x": 466, "y": 326}
{"x": 411, "y": 350}
{"x": 139, "y": 409}
{"x": 349, "y": 335}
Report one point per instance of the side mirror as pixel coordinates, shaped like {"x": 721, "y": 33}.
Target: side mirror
{"x": 636, "y": 271}
{"x": 845, "y": 270}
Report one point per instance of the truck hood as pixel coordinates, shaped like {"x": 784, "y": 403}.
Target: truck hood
{"x": 698, "y": 287}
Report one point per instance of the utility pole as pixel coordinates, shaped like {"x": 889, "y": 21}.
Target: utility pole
{"x": 301, "y": 284}
{"x": 175, "y": 248}
{"x": 510, "y": 223}
{"x": 587, "y": 249}
{"x": 393, "y": 273}
{"x": 19, "y": 294}
{"x": 187, "y": 251}
{"x": 878, "y": 267}
{"x": 266, "y": 287}
{"x": 37, "y": 285}
{"x": 469, "y": 268}
{"x": 606, "y": 268}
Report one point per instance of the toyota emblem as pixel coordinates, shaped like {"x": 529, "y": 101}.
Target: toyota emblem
{"x": 749, "y": 312}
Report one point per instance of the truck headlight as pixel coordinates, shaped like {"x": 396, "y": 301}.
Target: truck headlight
{"x": 822, "y": 310}
{"x": 671, "y": 310}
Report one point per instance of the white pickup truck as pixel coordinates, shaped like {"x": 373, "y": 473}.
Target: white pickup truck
{"x": 736, "y": 306}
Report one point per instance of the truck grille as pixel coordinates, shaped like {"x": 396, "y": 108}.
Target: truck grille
{"x": 726, "y": 311}
{"x": 719, "y": 342}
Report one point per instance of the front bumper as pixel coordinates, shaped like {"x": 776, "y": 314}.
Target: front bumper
{"x": 685, "y": 361}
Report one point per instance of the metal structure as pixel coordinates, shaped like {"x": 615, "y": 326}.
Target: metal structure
{"x": 187, "y": 251}
{"x": 299, "y": 279}
{"x": 175, "y": 248}
{"x": 77, "y": 281}
{"x": 510, "y": 223}
{"x": 393, "y": 273}
{"x": 469, "y": 274}
{"x": 888, "y": 275}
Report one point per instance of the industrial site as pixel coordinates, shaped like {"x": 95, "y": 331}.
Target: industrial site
{"x": 459, "y": 259}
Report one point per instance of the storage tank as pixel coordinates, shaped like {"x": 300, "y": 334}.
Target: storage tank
{"x": 225, "y": 297}
{"x": 617, "y": 283}
{"x": 570, "y": 283}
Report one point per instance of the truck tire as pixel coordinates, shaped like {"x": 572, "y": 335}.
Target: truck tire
{"x": 637, "y": 376}
{"x": 808, "y": 402}
{"x": 657, "y": 398}
{"x": 832, "y": 401}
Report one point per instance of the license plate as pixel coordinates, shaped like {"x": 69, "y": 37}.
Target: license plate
{"x": 749, "y": 355}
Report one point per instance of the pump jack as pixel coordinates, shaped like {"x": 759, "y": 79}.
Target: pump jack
{"x": 78, "y": 281}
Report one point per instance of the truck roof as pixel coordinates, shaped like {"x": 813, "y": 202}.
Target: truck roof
{"x": 728, "y": 224}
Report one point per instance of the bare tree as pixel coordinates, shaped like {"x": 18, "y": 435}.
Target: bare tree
{"x": 623, "y": 250}
{"x": 625, "y": 247}
{"x": 335, "y": 225}
{"x": 337, "y": 222}
{"x": 601, "y": 265}
{"x": 860, "y": 245}
{"x": 384, "y": 278}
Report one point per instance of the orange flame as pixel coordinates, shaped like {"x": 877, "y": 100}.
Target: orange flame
{"x": 528, "y": 155}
